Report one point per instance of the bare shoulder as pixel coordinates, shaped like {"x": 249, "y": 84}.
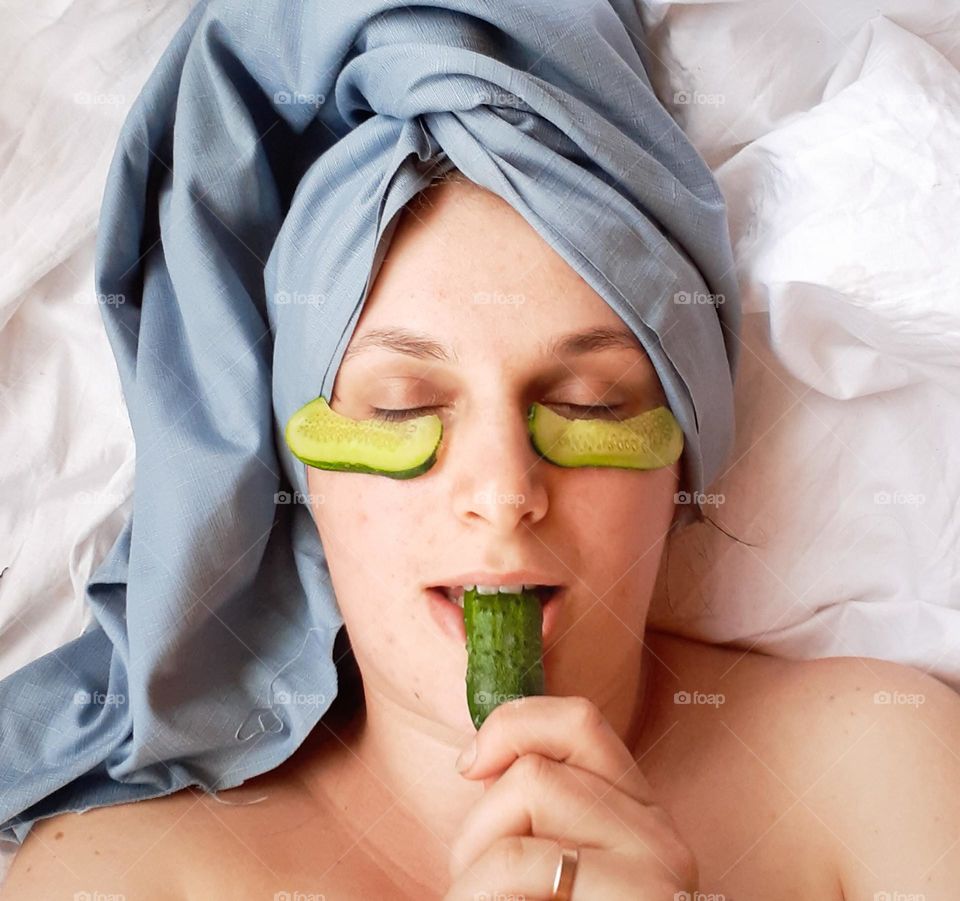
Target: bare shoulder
{"x": 890, "y": 756}
{"x": 249, "y": 841}
{"x": 867, "y": 751}
{"x": 810, "y": 712}
{"x": 717, "y": 687}
{"x": 160, "y": 849}
{"x": 726, "y": 712}
{"x": 122, "y": 850}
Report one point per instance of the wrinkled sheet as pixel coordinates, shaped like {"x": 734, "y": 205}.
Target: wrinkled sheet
{"x": 844, "y": 218}
{"x": 70, "y": 72}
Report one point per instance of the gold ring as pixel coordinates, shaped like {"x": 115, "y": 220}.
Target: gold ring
{"x": 566, "y": 870}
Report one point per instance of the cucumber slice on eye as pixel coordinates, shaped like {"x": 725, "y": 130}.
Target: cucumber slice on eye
{"x": 504, "y": 649}
{"x": 320, "y": 437}
{"x": 651, "y": 440}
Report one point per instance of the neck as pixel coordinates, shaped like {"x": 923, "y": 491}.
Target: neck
{"x": 390, "y": 775}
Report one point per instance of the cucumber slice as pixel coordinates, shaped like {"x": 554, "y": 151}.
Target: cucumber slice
{"x": 649, "y": 441}
{"x": 321, "y": 437}
{"x": 504, "y": 649}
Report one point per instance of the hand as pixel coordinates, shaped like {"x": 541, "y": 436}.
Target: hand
{"x": 556, "y": 774}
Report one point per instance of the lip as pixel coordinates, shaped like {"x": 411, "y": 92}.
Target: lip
{"x": 517, "y": 577}
{"x": 449, "y": 617}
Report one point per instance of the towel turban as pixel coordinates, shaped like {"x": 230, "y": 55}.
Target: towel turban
{"x": 265, "y": 161}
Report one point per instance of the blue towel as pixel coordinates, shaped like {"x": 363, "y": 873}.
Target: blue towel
{"x": 264, "y": 162}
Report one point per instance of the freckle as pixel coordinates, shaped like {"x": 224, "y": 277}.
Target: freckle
{"x": 416, "y": 694}
{"x": 59, "y": 835}
{"x": 95, "y": 851}
{"x": 831, "y": 697}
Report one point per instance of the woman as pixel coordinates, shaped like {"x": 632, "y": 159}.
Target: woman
{"x": 680, "y": 770}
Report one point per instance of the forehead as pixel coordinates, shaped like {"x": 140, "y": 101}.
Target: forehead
{"x": 465, "y": 262}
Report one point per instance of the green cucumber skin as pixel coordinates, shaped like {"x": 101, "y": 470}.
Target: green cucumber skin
{"x": 504, "y": 650}
{"x": 359, "y": 467}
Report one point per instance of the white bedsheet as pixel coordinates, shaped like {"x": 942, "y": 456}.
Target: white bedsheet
{"x": 70, "y": 72}
{"x": 835, "y": 142}
{"x": 844, "y": 215}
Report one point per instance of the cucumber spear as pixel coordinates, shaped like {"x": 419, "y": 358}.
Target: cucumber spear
{"x": 504, "y": 649}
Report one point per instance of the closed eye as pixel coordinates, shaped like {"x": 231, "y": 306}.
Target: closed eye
{"x": 412, "y": 412}
{"x": 400, "y": 415}
{"x": 597, "y": 408}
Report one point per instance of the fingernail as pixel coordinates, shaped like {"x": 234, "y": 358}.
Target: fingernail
{"x": 467, "y": 756}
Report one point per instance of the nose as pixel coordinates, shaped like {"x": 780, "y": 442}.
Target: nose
{"x": 497, "y": 473}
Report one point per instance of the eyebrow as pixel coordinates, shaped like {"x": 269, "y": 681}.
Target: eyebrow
{"x": 421, "y": 346}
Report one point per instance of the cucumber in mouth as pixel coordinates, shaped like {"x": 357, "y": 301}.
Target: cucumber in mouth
{"x": 504, "y": 649}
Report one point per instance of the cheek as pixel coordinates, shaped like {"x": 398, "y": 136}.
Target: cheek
{"x": 364, "y": 523}
{"x": 614, "y": 520}
{"x": 616, "y": 502}
{"x": 342, "y": 508}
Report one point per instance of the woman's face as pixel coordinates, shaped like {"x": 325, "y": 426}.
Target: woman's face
{"x": 472, "y": 277}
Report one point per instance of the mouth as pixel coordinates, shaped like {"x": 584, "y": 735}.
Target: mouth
{"x": 446, "y": 607}
{"x": 454, "y": 593}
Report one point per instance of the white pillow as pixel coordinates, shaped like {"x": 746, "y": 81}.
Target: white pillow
{"x": 845, "y": 221}
{"x": 732, "y": 70}
{"x": 70, "y": 73}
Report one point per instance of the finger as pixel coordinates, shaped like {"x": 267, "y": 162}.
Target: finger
{"x": 525, "y": 867}
{"x": 541, "y": 797}
{"x": 567, "y": 729}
